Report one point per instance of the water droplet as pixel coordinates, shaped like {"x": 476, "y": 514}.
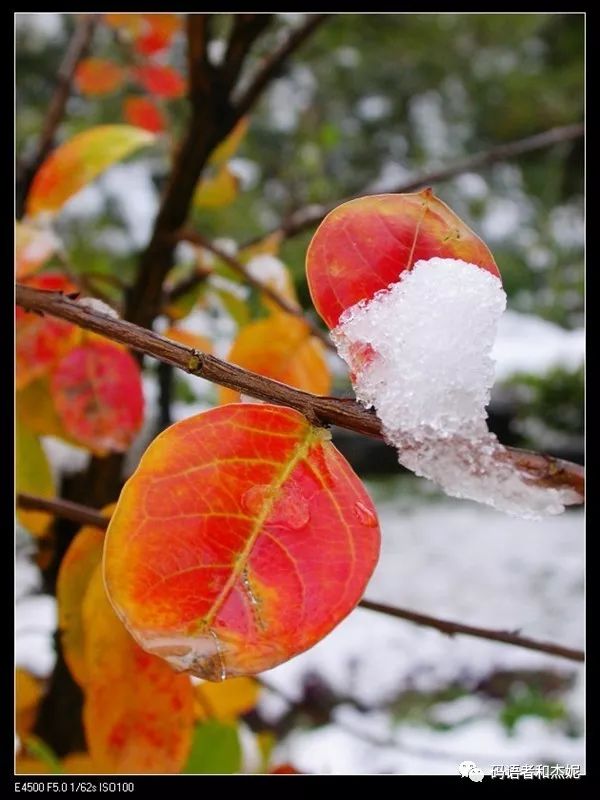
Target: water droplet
{"x": 256, "y": 497}
{"x": 287, "y": 505}
{"x": 364, "y": 515}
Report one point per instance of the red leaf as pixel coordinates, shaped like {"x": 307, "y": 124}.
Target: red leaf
{"x": 241, "y": 540}
{"x": 41, "y": 341}
{"x": 98, "y": 76}
{"x": 144, "y": 113}
{"x": 97, "y": 393}
{"x": 364, "y": 245}
{"x": 163, "y": 81}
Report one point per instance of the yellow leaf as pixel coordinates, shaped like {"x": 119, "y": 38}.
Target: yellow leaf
{"x": 76, "y": 569}
{"x": 269, "y": 246}
{"x": 33, "y": 476}
{"x": 36, "y": 411}
{"x": 280, "y": 347}
{"x": 217, "y": 191}
{"x": 79, "y": 161}
{"x": 228, "y": 147}
{"x": 227, "y": 700}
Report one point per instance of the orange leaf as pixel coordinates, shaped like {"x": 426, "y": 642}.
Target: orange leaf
{"x": 161, "y": 80}
{"x": 280, "y": 347}
{"x": 364, "y": 245}
{"x": 76, "y": 569}
{"x": 138, "y": 714}
{"x": 144, "y": 113}
{"x": 189, "y": 339}
{"x": 33, "y": 247}
{"x": 42, "y": 341}
{"x": 242, "y": 539}
{"x": 131, "y": 23}
{"x": 98, "y": 76}
{"x": 28, "y": 693}
{"x": 79, "y": 161}
{"x": 97, "y": 392}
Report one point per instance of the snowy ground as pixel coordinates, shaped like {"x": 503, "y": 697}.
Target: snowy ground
{"x": 462, "y": 562}
{"x": 447, "y": 558}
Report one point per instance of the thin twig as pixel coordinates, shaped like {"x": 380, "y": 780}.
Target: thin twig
{"x": 274, "y": 62}
{"x": 80, "y": 41}
{"x": 188, "y": 235}
{"x": 65, "y": 509}
{"x": 452, "y": 628}
{"x": 539, "y": 469}
{"x": 309, "y": 216}
{"x": 88, "y": 516}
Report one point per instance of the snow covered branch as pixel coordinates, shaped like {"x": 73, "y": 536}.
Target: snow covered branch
{"x": 539, "y": 469}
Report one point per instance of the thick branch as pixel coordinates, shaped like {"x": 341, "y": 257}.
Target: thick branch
{"x": 275, "y": 61}
{"x": 211, "y": 121}
{"x": 540, "y": 469}
{"x": 87, "y": 516}
{"x": 246, "y": 28}
{"x": 308, "y": 217}
{"x": 76, "y": 50}
{"x": 197, "y": 239}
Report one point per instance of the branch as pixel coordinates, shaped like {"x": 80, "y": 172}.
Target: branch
{"x": 246, "y": 28}
{"x": 188, "y": 235}
{"x": 88, "y": 516}
{"x": 540, "y": 469}
{"x": 76, "y": 50}
{"x": 65, "y": 509}
{"x": 275, "y": 61}
{"x": 309, "y": 216}
{"x": 452, "y": 628}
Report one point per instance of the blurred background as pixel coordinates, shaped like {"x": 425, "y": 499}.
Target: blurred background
{"x": 371, "y": 102}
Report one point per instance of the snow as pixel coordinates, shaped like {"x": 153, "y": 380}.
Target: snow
{"x": 526, "y": 343}
{"x": 459, "y": 562}
{"x": 420, "y": 354}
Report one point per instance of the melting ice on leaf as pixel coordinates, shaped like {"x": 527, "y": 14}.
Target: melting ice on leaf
{"x": 413, "y": 297}
{"x": 241, "y": 540}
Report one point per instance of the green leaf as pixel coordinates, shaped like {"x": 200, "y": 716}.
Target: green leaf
{"x": 215, "y": 750}
{"x": 40, "y": 750}
{"x": 33, "y": 476}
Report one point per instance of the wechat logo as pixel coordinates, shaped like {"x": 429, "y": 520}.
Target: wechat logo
{"x": 468, "y": 769}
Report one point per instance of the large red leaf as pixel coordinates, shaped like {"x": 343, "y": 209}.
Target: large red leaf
{"x": 364, "y": 245}
{"x": 241, "y": 540}
{"x": 97, "y": 392}
{"x": 41, "y": 341}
